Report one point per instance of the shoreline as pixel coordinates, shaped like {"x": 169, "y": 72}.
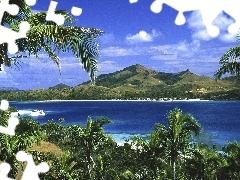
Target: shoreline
{"x": 137, "y": 100}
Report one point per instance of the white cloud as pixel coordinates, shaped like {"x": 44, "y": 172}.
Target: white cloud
{"x": 108, "y": 66}
{"x": 36, "y": 73}
{"x": 6, "y": 79}
{"x": 186, "y": 49}
{"x": 164, "y": 49}
{"x": 174, "y": 63}
{"x": 182, "y": 49}
{"x": 117, "y": 51}
{"x": 228, "y": 38}
{"x": 142, "y": 36}
{"x": 163, "y": 52}
{"x": 164, "y": 57}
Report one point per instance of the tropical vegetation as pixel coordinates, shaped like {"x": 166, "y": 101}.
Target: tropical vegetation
{"x": 170, "y": 151}
{"x": 86, "y": 152}
{"x": 50, "y": 38}
{"x": 229, "y": 62}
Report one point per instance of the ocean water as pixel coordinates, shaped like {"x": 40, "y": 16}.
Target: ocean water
{"x": 220, "y": 120}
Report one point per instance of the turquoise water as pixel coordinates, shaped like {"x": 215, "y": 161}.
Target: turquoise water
{"x": 220, "y": 120}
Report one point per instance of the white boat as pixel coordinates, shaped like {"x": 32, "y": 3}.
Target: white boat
{"x": 37, "y": 113}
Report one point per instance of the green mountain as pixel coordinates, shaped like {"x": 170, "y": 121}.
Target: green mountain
{"x": 138, "y": 82}
{"x": 140, "y": 78}
{"x": 60, "y": 86}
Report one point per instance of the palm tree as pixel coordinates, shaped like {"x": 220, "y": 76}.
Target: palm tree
{"x": 150, "y": 154}
{"x": 93, "y": 139}
{"x": 229, "y": 62}
{"x": 175, "y": 138}
{"x": 85, "y": 143}
{"x": 51, "y": 38}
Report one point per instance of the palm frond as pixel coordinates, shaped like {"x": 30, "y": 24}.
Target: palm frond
{"x": 81, "y": 42}
{"x": 53, "y": 56}
{"x": 47, "y": 36}
{"x": 3, "y": 54}
{"x": 229, "y": 63}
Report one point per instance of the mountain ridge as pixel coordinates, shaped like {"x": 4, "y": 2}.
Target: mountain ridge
{"x": 138, "y": 82}
{"x": 140, "y": 76}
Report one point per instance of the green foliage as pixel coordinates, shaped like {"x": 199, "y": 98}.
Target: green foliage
{"x": 232, "y": 156}
{"x": 204, "y": 163}
{"x": 89, "y": 153}
{"x": 27, "y": 132}
{"x": 176, "y": 137}
{"x": 49, "y": 37}
{"x": 229, "y": 63}
{"x": 127, "y": 175}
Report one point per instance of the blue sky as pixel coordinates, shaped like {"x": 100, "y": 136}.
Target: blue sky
{"x": 133, "y": 35}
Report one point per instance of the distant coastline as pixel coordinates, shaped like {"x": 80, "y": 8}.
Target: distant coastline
{"x": 136, "y": 83}
{"x": 138, "y": 100}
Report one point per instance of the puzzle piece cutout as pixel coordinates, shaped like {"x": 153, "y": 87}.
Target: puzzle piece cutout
{"x": 133, "y": 1}
{"x": 12, "y": 121}
{"x": 209, "y": 11}
{"x": 4, "y": 170}
{"x": 30, "y": 2}
{"x": 31, "y": 170}
{"x": 7, "y": 35}
{"x": 58, "y": 18}
{"x": 4, "y": 105}
{"x": 51, "y": 16}
{"x": 76, "y": 11}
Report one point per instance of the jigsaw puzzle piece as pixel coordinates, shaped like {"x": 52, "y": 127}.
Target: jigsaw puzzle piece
{"x": 31, "y": 170}
{"x": 76, "y": 11}
{"x": 209, "y": 13}
{"x": 12, "y": 9}
{"x": 12, "y": 122}
{"x": 179, "y": 5}
{"x": 232, "y": 8}
{"x": 4, "y": 170}
{"x": 51, "y": 16}
{"x": 156, "y": 6}
{"x": 4, "y": 105}
{"x": 9, "y": 36}
{"x": 30, "y": 2}
{"x": 133, "y": 1}
{"x": 10, "y": 129}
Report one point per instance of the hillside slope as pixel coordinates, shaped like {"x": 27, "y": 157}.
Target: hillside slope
{"x": 140, "y": 78}
{"x": 138, "y": 82}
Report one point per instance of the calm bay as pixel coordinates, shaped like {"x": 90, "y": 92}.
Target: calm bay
{"x": 220, "y": 120}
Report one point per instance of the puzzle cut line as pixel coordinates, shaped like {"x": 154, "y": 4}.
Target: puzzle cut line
{"x": 209, "y": 11}
{"x": 31, "y": 171}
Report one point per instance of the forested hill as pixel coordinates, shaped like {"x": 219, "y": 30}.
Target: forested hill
{"x": 138, "y": 82}
{"x": 60, "y": 86}
{"x": 138, "y": 76}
